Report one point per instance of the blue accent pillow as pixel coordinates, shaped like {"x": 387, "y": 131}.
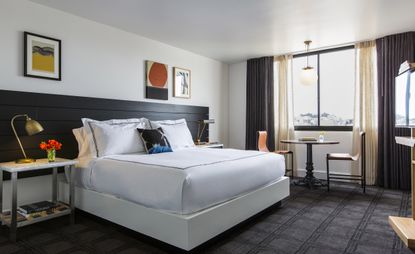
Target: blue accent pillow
{"x": 159, "y": 149}
{"x": 154, "y": 141}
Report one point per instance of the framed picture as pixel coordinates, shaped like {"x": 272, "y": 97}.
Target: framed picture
{"x": 42, "y": 57}
{"x": 156, "y": 81}
{"x": 182, "y": 83}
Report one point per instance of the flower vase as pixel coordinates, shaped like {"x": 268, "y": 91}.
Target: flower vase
{"x": 51, "y": 155}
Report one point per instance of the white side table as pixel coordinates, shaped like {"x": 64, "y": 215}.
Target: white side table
{"x": 14, "y": 169}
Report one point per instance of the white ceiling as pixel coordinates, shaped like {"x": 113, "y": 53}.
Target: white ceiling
{"x": 234, "y": 30}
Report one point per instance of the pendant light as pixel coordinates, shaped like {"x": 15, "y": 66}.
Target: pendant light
{"x": 308, "y": 74}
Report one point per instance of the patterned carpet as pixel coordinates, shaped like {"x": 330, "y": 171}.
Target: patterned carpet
{"x": 310, "y": 221}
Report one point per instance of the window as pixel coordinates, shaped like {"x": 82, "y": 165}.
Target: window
{"x": 328, "y": 104}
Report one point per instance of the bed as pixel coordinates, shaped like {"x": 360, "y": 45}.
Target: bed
{"x": 184, "y": 202}
{"x": 182, "y": 198}
{"x": 183, "y": 182}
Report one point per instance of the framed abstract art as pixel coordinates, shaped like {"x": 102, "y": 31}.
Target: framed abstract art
{"x": 182, "y": 82}
{"x": 42, "y": 57}
{"x": 156, "y": 81}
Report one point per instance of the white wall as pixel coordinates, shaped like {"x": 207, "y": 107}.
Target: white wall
{"x": 237, "y": 118}
{"x": 102, "y": 61}
{"x": 237, "y": 105}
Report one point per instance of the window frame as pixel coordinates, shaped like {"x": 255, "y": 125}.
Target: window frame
{"x": 318, "y": 127}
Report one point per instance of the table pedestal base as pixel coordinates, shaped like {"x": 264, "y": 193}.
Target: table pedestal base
{"x": 310, "y": 182}
{"x": 405, "y": 229}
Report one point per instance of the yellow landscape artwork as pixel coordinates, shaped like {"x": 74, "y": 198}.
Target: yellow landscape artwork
{"x": 43, "y": 58}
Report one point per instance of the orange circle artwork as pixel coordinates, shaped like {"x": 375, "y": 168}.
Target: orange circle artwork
{"x": 158, "y": 75}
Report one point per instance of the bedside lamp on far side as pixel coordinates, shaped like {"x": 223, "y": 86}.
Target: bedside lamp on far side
{"x": 32, "y": 127}
{"x": 201, "y": 129}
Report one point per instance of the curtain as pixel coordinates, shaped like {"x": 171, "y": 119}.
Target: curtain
{"x": 284, "y": 126}
{"x": 394, "y": 161}
{"x": 259, "y": 101}
{"x": 365, "y": 118}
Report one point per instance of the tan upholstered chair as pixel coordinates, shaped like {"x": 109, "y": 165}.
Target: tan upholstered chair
{"x": 262, "y": 146}
{"x": 348, "y": 157}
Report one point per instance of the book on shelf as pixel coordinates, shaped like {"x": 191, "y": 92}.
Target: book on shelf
{"x": 22, "y": 216}
{"x": 37, "y": 207}
{"x": 57, "y": 209}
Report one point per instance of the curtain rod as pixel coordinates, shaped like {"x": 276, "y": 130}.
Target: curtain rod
{"x": 327, "y": 47}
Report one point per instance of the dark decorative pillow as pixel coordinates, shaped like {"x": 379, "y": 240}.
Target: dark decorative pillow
{"x": 154, "y": 141}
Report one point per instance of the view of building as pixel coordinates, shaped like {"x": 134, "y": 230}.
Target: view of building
{"x": 309, "y": 119}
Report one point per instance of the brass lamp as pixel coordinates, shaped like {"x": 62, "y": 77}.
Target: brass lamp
{"x": 201, "y": 129}
{"x": 32, "y": 127}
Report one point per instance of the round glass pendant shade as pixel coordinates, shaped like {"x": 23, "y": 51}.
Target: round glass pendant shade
{"x": 308, "y": 76}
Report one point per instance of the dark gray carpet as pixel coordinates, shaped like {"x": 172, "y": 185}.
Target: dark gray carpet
{"x": 310, "y": 221}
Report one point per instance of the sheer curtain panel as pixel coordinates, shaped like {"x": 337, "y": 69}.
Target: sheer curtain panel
{"x": 366, "y": 112}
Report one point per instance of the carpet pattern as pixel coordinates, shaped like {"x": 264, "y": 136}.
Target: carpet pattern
{"x": 309, "y": 221}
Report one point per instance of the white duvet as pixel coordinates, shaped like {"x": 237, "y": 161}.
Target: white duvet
{"x": 184, "y": 181}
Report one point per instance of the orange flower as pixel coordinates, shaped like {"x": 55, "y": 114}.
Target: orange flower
{"x": 43, "y": 146}
{"x": 51, "y": 144}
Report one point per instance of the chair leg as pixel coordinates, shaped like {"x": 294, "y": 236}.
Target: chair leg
{"x": 361, "y": 181}
{"x": 364, "y": 179}
{"x": 363, "y": 159}
{"x": 287, "y": 169}
{"x": 285, "y": 164}
{"x": 328, "y": 174}
{"x": 292, "y": 165}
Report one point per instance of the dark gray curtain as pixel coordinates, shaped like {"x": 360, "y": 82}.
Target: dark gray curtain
{"x": 259, "y": 101}
{"x": 394, "y": 161}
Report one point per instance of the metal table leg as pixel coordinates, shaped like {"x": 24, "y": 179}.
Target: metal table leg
{"x": 72, "y": 193}
{"x": 13, "y": 226}
{"x": 55, "y": 185}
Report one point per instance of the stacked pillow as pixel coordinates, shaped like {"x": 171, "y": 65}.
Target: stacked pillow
{"x": 134, "y": 135}
{"x": 177, "y": 133}
{"x": 115, "y": 136}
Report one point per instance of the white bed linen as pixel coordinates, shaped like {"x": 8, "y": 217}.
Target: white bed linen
{"x": 184, "y": 181}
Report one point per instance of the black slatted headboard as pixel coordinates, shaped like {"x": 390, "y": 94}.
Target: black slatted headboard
{"x": 59, "y": 114}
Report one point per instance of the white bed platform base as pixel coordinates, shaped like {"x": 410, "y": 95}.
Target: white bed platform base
{"x": 183, "y": 231}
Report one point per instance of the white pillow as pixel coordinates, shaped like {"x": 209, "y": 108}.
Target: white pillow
{"x": 176, "y": 132}
{"x": 117, "y": 138}
{"x": 83, "y": 144}
{"x": 88, "y": 137}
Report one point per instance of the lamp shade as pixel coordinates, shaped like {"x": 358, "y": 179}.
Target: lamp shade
{"x": 308, "y": 76}
{"x": 32, "y": 127}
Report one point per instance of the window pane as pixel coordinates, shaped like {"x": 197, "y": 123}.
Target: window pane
{"x": 305, "y": 97}
{"x": 337, "y": 78}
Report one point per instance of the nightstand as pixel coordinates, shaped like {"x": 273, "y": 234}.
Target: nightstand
{"x": 11, "y": 219}
{"x": 210, "y": 145}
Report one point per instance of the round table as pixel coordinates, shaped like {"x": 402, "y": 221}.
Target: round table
{"x": 309, "y": 180}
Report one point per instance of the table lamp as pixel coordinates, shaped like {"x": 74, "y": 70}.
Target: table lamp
{"x": 32, "y": 127}
{"x": 201, "y": 129}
